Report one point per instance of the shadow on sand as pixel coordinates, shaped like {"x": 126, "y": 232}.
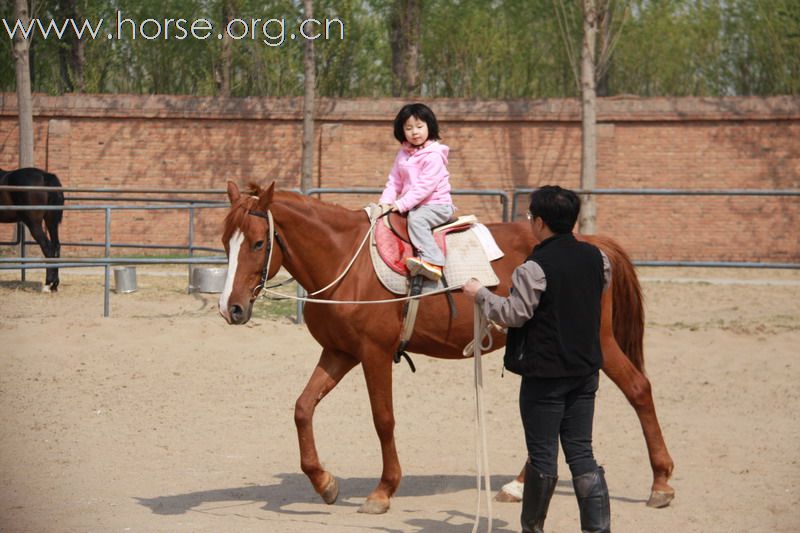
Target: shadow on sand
{"x": 294, "y": 488}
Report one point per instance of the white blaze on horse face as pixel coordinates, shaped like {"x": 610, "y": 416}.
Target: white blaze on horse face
{"x": 233, "y": 263}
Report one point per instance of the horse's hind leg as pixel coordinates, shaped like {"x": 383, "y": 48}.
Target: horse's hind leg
{"x": 330, "y": 369}
{"x": 511, "y": 492}
{"x": 636, "y": 388}
{"x": 51, "y": 222}
{"x": 37, "y": 231}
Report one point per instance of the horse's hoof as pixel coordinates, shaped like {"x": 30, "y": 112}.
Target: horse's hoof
{"x": 511, "y": 492}
{"x": 660, "y": 498}
{"x": 331, "y": 492}
{"x": 374, "y": 507}
{"x": 505, "y": 497}
{"x": 46, "y": 288}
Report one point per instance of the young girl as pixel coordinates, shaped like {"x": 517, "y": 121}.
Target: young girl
{"x": 419, "y": 184}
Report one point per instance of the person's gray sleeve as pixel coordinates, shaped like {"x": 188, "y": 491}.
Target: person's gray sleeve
{"x": 527, "y": 284}
{"x": 606, "y": 270}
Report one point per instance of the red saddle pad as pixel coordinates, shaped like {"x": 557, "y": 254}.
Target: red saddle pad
{"x": 394, "y": 251}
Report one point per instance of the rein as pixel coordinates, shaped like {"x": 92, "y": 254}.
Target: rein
{"x": 353, "y": 260}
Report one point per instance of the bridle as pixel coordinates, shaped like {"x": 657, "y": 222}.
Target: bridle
{"x": 273, "y": 236}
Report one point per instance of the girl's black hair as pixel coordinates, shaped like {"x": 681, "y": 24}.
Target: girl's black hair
{"x": 423, "y": 113}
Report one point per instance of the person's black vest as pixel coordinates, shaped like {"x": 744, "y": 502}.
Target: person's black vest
{"x": 562, "y": 339}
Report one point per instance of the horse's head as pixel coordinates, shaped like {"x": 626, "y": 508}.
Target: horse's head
{"x": 250, "y": 245}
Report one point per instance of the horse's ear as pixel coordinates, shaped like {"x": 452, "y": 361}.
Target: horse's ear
{"x": 265, "y": 198}
{"x": 233, "y": 192}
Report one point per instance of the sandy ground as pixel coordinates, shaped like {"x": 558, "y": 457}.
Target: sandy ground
{"x": 163, "y": 418}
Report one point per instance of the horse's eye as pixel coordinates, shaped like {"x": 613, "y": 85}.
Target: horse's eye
{"x": 259, "y": 245}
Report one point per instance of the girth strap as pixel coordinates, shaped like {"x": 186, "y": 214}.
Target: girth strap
{"x": 409, "y": 318}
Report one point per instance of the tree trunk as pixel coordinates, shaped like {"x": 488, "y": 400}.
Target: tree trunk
{"x": 604, "y": 15}
{"x": 72, "y": 58}
{"x": 406, "y": 22}
{"x": 24, "y": 98}
{"x": 588, "y": 117}
{"x": 226, "y": 60}
{"x": 309, "y": 84}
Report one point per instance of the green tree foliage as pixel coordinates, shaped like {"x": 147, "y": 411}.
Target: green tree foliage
{"x": 469, "y": 49}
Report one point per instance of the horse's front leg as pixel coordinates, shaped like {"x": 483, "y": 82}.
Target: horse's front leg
{"x": 330, "y": 369}
{"x": 636, "y": 388}
{"x": 378, "y": 374}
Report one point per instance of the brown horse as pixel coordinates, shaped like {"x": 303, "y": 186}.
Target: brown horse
{"x": 314, "y": 241}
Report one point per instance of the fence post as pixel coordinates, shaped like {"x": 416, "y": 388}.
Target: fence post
{"x": 21, "y": 235}
{"x": 191, "y": 246}
{"x": 106, "y": 303}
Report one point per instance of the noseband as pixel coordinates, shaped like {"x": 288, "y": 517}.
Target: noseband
{"x": 273, "y": 236}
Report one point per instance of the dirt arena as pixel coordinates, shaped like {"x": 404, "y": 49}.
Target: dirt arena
{"x": 164, "y": 418}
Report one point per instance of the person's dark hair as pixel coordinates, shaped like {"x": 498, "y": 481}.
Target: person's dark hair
{"x": 423, "y": 113}
{"x": 557, "y": 207}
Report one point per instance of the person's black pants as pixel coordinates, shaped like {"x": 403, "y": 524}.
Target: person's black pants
{"x": 559, "y": 407}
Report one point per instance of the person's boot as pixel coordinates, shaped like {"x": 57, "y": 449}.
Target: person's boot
{"x": 592, "y": 493}
{"x": 536, "y": 496}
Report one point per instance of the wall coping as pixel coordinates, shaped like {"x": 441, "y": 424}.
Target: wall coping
{"x": 611, "y": 109}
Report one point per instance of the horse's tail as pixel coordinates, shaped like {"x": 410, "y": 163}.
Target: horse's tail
{"x": 54, "y": 197}
{"x": 628, "y": 310}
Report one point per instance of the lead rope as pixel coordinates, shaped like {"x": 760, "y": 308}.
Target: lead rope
{"x": 481, "y": 449}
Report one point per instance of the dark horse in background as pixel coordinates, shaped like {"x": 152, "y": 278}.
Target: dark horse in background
{"x": 39, "y": 222}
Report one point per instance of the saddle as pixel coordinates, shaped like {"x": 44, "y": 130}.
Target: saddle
{"x": 394, "y": 245}
{"x": 471, "y": 254}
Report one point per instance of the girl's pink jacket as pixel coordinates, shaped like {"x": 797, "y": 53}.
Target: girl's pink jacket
{"x": 419, "y": 176}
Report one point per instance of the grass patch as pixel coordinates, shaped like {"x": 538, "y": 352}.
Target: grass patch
{"x": 268, "y": 307}
{"x": 272, "y": 309}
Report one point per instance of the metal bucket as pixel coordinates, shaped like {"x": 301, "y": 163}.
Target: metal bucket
{"x": 124, "y": 279}
{"x": 208, "y": 279}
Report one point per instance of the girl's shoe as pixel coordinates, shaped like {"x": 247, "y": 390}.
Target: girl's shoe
{"x": 419, "y": 266}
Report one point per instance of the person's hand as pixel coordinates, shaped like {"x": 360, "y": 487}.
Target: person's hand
{"x": 385, "y": 208}
{"x": 395, "y": 208}
{"x": 471, "y": 287}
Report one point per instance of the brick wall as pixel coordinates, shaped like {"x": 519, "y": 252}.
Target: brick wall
{"x": 177, "y": 142}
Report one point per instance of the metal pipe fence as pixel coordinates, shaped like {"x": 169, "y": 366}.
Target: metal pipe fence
{"x": 661, "y": 192}
{"x": 509, "y": 207}
{"x": 682, "y": 192}
{"x": 23, "y": 263}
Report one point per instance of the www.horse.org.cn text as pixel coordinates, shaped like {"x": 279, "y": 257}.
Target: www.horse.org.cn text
{"x": 270, "y": 31}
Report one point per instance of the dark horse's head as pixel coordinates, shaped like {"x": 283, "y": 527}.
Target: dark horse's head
{"x": 248, "y": 240}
